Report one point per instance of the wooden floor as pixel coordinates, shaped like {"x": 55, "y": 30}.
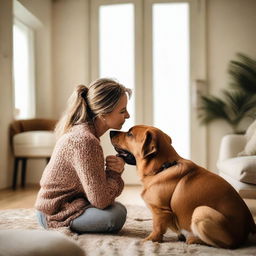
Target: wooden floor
{"x": 25, "y": 198}
{"x": 19, "y": 198}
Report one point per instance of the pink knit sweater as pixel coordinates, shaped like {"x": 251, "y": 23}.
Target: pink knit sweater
{"x": 76, "y": 179}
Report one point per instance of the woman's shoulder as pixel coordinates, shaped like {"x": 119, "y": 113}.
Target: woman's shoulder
{"x": 80, "y": 134}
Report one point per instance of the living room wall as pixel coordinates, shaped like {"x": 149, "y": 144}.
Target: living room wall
{"x": 63, "y": 61}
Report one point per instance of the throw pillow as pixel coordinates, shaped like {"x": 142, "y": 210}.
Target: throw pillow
{"x": 250, "y": 146}
{"x": 250, "y": 130}
{"x": 240, "y": 168}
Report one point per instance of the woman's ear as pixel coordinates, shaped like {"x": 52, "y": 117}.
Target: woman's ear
{"x": 103, "y": 118}
{"x": 149, "y": 146}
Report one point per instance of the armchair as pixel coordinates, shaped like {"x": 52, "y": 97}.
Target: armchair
{"x": 30, "y": 138}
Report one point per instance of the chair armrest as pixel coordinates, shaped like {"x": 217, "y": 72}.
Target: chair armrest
{"x": 231, "y": 145}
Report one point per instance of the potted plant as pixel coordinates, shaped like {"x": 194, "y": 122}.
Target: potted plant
{"x": 237, "y": 103}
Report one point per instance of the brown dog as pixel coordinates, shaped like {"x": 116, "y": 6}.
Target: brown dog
{"x": 192, "y": 201}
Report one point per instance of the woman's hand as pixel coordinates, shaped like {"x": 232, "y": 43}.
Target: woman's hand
{"x": 115, "y": 163}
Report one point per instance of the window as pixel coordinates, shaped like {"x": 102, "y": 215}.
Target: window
{"x": 156, "y": 47}
{"x": 116, "y": 47}
{"x": 24, "y": 74}
{"x": 171, "y": 73}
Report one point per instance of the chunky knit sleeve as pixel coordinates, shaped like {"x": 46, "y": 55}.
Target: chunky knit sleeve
{"x": 101, "y": 187}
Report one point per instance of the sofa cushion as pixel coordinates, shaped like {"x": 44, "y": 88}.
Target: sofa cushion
{"x": 244, "y": 189}
{"x": 231, "y": 145}
{"x": 240, "y": 168}
{"x": 250, "y": 130}
{"x": 250, "y": 146}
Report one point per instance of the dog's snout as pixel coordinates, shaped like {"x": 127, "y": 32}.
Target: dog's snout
{"x": 113, "y": 134}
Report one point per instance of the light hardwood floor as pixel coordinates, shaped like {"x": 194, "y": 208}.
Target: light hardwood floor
{"x": 25, "y": 198}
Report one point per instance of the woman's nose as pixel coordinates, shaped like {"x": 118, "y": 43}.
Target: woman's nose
{"x": 127, "y": 115}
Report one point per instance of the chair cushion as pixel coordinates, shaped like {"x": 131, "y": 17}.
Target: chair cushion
{"x": 37, "y": 242}
{"x": 34, "y": 144}
{"x": 240, "y": 168}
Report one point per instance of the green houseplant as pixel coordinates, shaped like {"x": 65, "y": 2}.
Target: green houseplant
{"x": 237, "y": 103}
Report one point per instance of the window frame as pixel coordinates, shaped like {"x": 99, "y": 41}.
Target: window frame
{"x": 31, "y": 69}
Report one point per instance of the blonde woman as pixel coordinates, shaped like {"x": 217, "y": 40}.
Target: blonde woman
{"x": 78, "y": 186}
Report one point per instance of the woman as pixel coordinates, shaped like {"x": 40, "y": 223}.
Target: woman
{"x": 78, "y": 188}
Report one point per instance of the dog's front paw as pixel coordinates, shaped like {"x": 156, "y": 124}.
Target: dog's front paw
{"x": 154, "y": 238}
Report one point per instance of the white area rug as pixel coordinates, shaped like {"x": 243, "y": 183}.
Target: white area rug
{"x": 128, "y": 241}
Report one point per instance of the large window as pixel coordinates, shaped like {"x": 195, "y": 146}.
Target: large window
{"x": 171, "y": 88}
{"x": 156, "y": 47}
{"x": 116, "y": 51}
{"x": 23, "y": 65}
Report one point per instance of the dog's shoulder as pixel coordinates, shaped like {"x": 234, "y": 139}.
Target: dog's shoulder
{"x": 186, "y": 166}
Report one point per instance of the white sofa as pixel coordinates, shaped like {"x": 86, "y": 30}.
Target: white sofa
{"x": 237, "y": 163}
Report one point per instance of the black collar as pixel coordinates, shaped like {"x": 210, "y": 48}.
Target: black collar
{"x": 166, "y": 166}
{"x": 163, "y": 167}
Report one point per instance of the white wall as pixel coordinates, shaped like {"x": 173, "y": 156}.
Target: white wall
{"x": 70, "y": 49}
{"x": 230, "y": 29}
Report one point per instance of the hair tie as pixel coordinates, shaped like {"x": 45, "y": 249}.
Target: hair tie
{"x": 84, "y": 92}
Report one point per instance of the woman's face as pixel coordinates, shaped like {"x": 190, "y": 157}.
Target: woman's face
{"x": 116, "y": 118}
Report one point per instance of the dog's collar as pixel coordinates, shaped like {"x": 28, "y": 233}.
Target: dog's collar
{"x": 166, "y": 166}
{"x": 163, "y": 167}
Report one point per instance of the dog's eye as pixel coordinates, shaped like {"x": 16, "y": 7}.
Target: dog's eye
{"x": 129, "y": 134}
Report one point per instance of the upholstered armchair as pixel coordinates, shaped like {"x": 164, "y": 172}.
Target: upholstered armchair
{"x": 30, "y": 138}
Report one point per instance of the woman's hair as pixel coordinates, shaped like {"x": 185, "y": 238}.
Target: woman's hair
{"x": 86, "y": 103}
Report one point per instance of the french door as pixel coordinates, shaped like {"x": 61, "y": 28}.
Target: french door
{"x": 156, "y": 48}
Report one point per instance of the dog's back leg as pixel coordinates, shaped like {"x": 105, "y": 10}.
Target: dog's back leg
{"x": 212, "y": 227}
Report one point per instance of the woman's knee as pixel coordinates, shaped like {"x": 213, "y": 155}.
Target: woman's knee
{"x": 111, "y": 219}
{"x": 121, "y": 208}
{"x": 117, "y": 217}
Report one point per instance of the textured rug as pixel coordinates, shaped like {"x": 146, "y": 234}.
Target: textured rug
{"x": 127, "y": 241}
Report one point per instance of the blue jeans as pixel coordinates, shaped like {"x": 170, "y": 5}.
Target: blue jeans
{"x": 94, "y": 220}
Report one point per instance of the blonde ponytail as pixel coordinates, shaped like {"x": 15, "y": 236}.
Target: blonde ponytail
{"x": 76, "y": 111}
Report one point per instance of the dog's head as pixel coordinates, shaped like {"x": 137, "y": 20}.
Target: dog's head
{"x": 144, "y": 146}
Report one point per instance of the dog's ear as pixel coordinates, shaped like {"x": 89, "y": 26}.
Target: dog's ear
{"x": 169, "y": 138}
{"x": 149, "y": 145}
